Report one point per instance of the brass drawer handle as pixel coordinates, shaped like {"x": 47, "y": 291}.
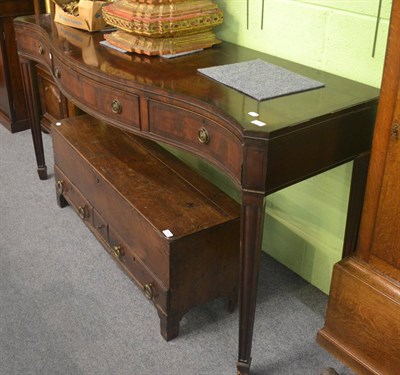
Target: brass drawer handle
{"x": 116, "y": 106}
{"x": 149, "y": 291}
{"x": 57, "y": 72}
{"x": 203, "y": 136}
{"x": 82, "y": 212}
{"x": 41, "y": 50}
{"x": 60, "y": 186}
{"x": 116, "y": 249}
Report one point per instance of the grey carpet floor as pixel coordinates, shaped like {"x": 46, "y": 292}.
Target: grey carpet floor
{"x": 66, "y": 308}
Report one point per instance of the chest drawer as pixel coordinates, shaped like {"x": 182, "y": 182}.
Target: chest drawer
{"x": 80, "y": 204}
{"x": 151, "y": 286}
{"x": 175, "y": 234}
{"x": 208, "y": 138}
{"x": 119, "y": 107}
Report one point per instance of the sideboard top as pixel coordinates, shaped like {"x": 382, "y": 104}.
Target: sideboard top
{"x": 178, "y": 78}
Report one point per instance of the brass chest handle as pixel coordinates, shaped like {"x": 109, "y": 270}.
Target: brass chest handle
{"x": 117, "y": 251}
{"x": 82, "y": 212}
{"x": 203, "y": 136}
{"x": 41, "y": 50}
{"x": 60, "y": 186}
{"x": 149, "y": 291}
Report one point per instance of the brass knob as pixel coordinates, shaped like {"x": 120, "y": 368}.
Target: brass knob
{"x": 149, "y": 291}
{"x": 57, "y": 72}
{"x": 116, "y": 106}
{"x": 60, "y": 186}
{"x": 203, "y": 136}
{"x": 82, "y": 212}
{"x": 41, "y": 50}
{"x": 116, "y": 249}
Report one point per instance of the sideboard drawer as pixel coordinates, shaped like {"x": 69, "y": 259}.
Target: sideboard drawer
{"x": 206, "y": 137}
{"x": 34, "y": 46}
{"x": 118, "y": 107}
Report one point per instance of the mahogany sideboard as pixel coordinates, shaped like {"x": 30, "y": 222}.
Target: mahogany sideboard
{"x": 364, "y": 302}
{"x": 167, "y": 100}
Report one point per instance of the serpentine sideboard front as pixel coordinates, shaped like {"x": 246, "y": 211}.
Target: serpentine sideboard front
{"x": 167, "y": 100}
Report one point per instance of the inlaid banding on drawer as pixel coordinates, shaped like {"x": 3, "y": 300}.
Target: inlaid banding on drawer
{"x": 118, "y": 107}
{"x": 198, "y": 133}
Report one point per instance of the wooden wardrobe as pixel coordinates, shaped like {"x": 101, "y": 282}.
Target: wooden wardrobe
{"x": 362, "y": 326}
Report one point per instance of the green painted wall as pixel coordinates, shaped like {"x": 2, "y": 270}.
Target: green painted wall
{"x": 332, "y": 35}
{"x": 304, "y": 224}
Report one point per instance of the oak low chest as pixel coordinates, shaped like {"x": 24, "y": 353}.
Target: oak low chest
{"x": 173, "y": 232}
